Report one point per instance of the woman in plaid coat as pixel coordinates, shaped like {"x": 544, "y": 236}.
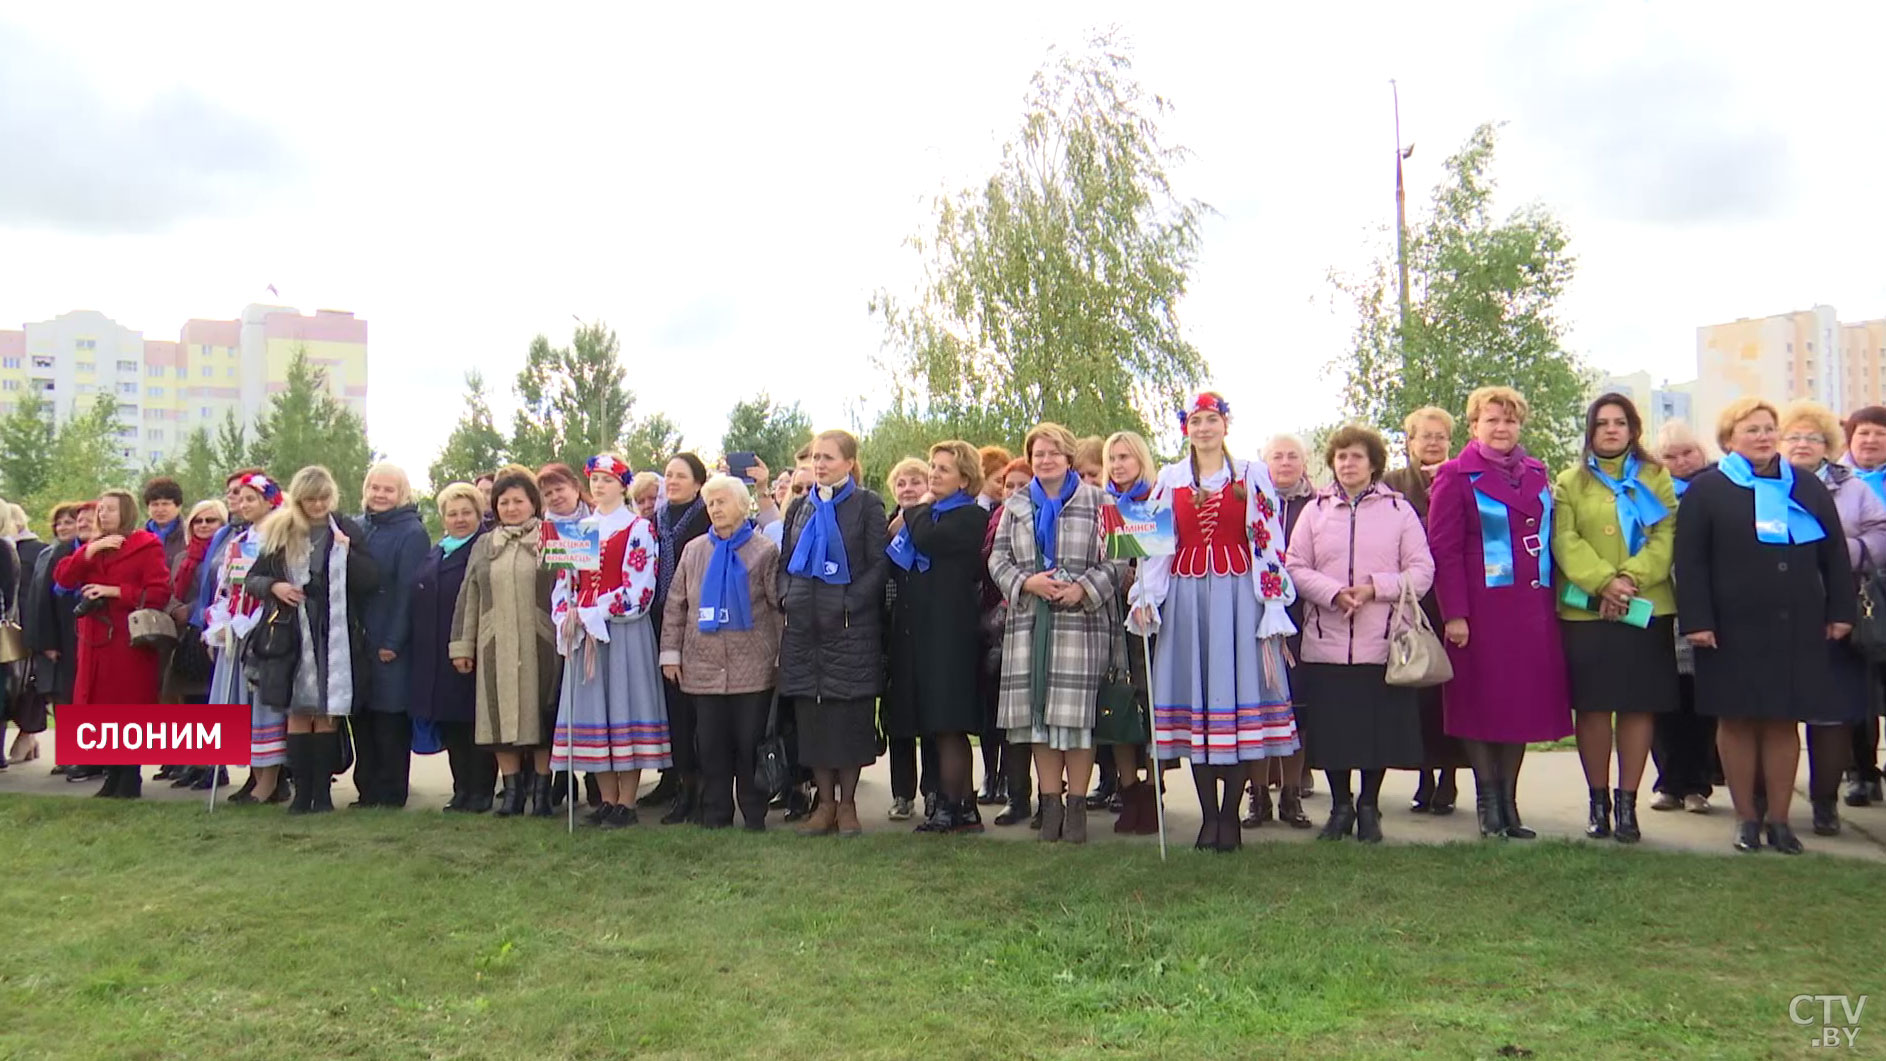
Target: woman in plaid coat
{"x": 1049, "y": 562}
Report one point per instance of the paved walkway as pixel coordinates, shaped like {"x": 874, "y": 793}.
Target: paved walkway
{"x": 1552, "y": 799}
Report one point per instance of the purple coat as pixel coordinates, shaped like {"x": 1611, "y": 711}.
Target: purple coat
{"x": 1509, "y": 682}
{"x": 1862, "y": 516}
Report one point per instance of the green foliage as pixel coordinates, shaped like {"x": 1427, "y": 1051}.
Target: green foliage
{"x": 475, "y": 445}
{"x": 84, "y": 461}
{"x": 1483, "y": 310}
{"x": 649, "y": 443}
{"x": 1050, "y": 292}
{"x": 304, "y": 424}
{"x": 26, "y": 440}
{"x": 196, "y": 469}
{"x": 775, "y": 432}
{"x": 900, "y": 433}
{"x": 232, "y": 444}
{"x": 574, "y": 402}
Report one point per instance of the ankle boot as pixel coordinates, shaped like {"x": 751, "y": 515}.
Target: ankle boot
{"x": 823, "y": 821}
{"x": 1230, "y": 830}
{"x": 1342, "y": 819}
{"x": 1599, "y": 824}
{"x": 1369, "y": 824}
{"x": 1053, "y": 818}
{"x": 1128, "y": 821}
{"x": 666, "y": 788}
{"x": 1290, "y": 808}
{"x": 131, "y": 782}
{"x": 942, "y": 817}
{"x": 1445, "y": 793}
{"x": 684, "y": 802}
{"x": 1424, "y": 793}
{"x": 988, "y": 797}
{"x": 1826, "y": 817}
{"x": 1489, "y": 809}
{"x": 512, "y": 802}
{"x": 968, "y": 818}
{"x": 847, "y": 818}
{"x": 1509, "y": 810}
{"x": 540, "y": 796}
{"x": 1074, "y": 822}
{"x": 1260, "y": 807}
{"x": 1020, "y": 809}
{"x": 1148, "y": 821}
{"x": 1625, "y": 800}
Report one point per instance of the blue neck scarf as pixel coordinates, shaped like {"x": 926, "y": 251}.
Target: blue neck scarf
{"x": 1139, "y": 492}
{"x": 906, "y": 555}
{"x": 1496, "y": 537}
{"x": 452, "y": 545}
{"x": 160, "y": 529}
{"x": 1682, "y": 486}
{"x": 1875, "y": 478}
{"x": 726, "y": 599}
{"x": 1048, "y": 516}
{"x": 820, "y": 552}
{"x": 1638, "y": 508}
{"x": 1779, "y": 518}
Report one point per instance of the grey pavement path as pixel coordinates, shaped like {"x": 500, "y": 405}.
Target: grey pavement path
{"x": 1552, "y": 799}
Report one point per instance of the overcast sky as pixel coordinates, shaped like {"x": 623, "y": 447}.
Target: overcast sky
{"x": 727, "y": 185}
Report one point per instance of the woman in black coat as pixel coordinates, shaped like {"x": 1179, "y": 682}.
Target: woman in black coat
{"x": 51, "y": 634}
{"x": 439, "y": 693}
{"x": 831, "y": 658}
{"x": 1759, "y": 604}
{"x": 938, "y": 653}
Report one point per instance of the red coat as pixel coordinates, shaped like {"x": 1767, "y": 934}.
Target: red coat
{"x": 112, "y": 670}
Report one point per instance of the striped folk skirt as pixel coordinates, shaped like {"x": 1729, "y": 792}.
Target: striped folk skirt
{"x": 611, "y": 707}
{"x": 1220, "y": 696}
{"x": 268, "y": 728}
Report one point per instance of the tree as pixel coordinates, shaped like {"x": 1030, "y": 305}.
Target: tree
{"x": 650, "y": 443}
{"x": 232, "y": 443}
{"x": 775, "y": 432}
{"x": 1051, "y": 291}
{"x": 304, "y": 424}
{"x": 899, "y": 433}
{"x": 536, "y": 438}
{"x": 574, "y": 402}
{"x": 197, "y": 470}
{"x": 1482, "y": 310}
{"x": 85, "y": 460}
{"x": 26, "y": 440}
{"x": 475, "y": 446}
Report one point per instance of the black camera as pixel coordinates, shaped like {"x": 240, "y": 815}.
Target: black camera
{"x": 88, "y": 605}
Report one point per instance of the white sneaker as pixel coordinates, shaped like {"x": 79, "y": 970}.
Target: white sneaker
{"x": 1696, "y": 804}
{"x": 900, "y": 810}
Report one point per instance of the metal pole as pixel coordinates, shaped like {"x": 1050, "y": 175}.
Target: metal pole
{"x": 1152, "y": 748}
{"x": 1401, "y": 211}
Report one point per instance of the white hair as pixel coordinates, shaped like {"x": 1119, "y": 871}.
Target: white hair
{"x": 726, "y": 484}
{"x": 1293, "y": 441}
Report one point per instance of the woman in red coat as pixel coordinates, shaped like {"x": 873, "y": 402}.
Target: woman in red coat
{"x": 123, "y": 569}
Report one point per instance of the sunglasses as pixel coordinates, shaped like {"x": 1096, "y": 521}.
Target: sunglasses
{"x": 206, "y": 521}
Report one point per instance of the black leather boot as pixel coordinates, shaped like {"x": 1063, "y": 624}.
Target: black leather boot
{"x": 1826, "y": 817}
{"x": 326, "y": 755}
{"x": 1423, "y": 799}
{"x": 665, "y": 790}
{"x": 301, "y": 769}
{"x": 968, "y": 818}
{"x": 1445, "y": 793}
{"x": 542, "y": 802}
{"x": 512, "y": 802}
{"x": 1781, "y": 838}
{"x": 1625, "y": 802}
{"x": 684, "y": 802}
{"x": 988, "y": 797}
{"x": 1020, "y": 808}
{"x": 1490, "y": 809}
{"x": 1598, "y": 825}
{"x": 1290, "y": 808}
{"x": 942, "y": 818}
{"x": 1509, "y": 811}
{"x": 1369, "y": 824}
{"x": 1342, "y": 820}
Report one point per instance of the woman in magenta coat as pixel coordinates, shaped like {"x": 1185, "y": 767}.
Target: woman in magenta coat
{"x": 1490, "y": 528}
{"x": 123, "y": 569}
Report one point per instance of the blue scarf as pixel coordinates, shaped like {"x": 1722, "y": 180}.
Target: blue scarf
{"x": 1638, "y": 507}
{"x": 1048, "y": 516}
{"x": 1779, "y": 518}
{"x": 726, "y": 599}
{"x": 820, "y": 552}
{"x": 1682, "y": 486}
{"x": 451, "y": 545}
{"x": 1876, "y": 478}
{"x": 1139, "y": 492}
{"x": 1496, "y": 537}
{"x": 906, "y": 555}
{"x": 162, "y": 530}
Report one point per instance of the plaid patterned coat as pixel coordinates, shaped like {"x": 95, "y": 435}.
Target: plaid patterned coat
{"x": 1081, "y": 635}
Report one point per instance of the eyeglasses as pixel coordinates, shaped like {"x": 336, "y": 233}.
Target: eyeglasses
{"x": 205, "y": 521}
{"x": 798, "y": 489}
{"x": 1817, "y": 440}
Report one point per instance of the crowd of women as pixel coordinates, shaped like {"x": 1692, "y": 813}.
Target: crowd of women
{"x": 604, "y": 624}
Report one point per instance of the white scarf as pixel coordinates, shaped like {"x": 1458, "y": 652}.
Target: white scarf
{"x": 339, "y": 698}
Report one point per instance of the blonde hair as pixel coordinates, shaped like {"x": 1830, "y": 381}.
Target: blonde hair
{"x": 8, "y": 525}
{"x": 1091, "y": 450}
{"x": 847, "y": 448}
{"x": 18, "y": 514}
{"x": 643, "y": 483}
{"x": 128, "y": 514}
{"x": 1427, "y": 412}
{"x": 1677, "y": 433}
{"x": 1820, "y": 416}
{"x": 968, "y": 462}
{"x": 1140, "y": 450}
{"x": 395, "y": 473}
{"x": 212, "y": 505}
{"x": 288, "y": 532}
{"x": 461, "y": 492}
{"x": 907, "y": 466}
{"x": 1739, "y": 410}
{"x": 1514, "y": 402}
{"x": 1049, "y": 431}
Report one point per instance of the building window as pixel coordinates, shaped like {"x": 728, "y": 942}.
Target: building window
{"x": 154, "y": 371}
{"x": 127, "y": 366}
{"x": 156, "y": 455}
{"x": 155, "y": 434}
{"x": 208, "y": 372}
{"x": 206, "y": 349}
{"x": 154, "y": 392}
{"x": 206, "y": 412}
{"x": 11, "y": 362}
{"x": 42, "y": 361}
{"x": 85, "y": 344}
{"x": 12, "y": 385}
{"x": 84, "y": 388}
{"x": 130, "y": 389}
{"x": 44, "y": 385}
{"x": 87, "y": 366}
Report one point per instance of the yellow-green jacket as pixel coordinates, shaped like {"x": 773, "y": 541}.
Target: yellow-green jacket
{"x": 1588, "y": 542}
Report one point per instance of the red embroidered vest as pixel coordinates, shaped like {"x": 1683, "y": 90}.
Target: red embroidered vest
{"x": 1212, "y": 538}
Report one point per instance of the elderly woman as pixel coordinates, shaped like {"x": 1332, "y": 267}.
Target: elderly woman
{"x": 318, "y": 582}
{"x": 1810, "y": 435}
{"x": 1683, "y": 742}
{"x": 396, "y": 540}
{"x": 1357, "y": 548}
{"x": 1614, "y": 538}
{"x": 1049, "y": 561}
{"x": 1866, "y": 455}
{"x": 1287, "y": 460}
{"x": 1428, "y": 435}
{"x": 441, "y": 694}
{"x": 1490, "y": 531}
{"x": 909, "y": 484}
{"x": 721, "y": 646}
{"x": 502, "y": 636}
{"x": 227, "y": 617}
{"x": 1763, "y": 584}
{"x": 645, "y": 494}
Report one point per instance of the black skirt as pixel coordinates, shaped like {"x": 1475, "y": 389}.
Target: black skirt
{"x": 1616, "y": 667}
{"x": 1853, "y": 687}
{"x": 836, "y": 734}
{"x": 1350, "y": 718}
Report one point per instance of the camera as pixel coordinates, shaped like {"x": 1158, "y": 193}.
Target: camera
{"x": 88, "y": 605}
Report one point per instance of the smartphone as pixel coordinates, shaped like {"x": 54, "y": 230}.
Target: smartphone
{"x": 740, "y": 465}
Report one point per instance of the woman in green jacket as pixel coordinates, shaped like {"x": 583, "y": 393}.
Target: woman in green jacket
{"x": 1614, "y": 539}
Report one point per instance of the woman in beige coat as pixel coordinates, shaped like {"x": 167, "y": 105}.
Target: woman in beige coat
{"x": 501, "y": 629}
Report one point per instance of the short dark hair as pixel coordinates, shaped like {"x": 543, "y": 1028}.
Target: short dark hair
{"x": 1358, "y": 435}
{"x": 696, "y": 468}
{"x": 1871, "y": 414}
{"x": 162, "y": 488}
{"x": 518, "y": 480}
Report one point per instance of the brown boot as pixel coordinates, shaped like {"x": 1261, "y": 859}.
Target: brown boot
{"x": 1127, "y": 823}
{"x": 1074, "y": 826}
{"x": 823, "y": 820}
{"x": 848, "y": 824}
{"x": 1148, "y": 810}
{"x": 1053, "y": 816}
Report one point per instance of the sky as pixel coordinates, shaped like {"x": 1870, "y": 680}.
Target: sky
{"x": 728, "y": 185}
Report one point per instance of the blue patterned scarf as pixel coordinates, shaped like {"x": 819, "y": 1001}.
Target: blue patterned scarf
{"x": 820, "y": 552}
{"x": 906, "y": 555}
{"x": 726, "y": 599}
{"x": 1048, "y": 516}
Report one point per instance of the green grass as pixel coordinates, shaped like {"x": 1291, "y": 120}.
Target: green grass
{"x": 143, "y": 931}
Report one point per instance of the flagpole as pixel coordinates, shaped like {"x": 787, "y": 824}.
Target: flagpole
{"x": 1152, "y": 747}
{"x": 1401, "y": 210}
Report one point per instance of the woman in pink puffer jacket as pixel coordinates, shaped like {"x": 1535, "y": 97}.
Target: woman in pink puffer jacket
{"x": 1354, "y": 549}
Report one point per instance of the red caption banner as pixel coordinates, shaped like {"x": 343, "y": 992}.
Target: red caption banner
{"x": 152, "y": 735}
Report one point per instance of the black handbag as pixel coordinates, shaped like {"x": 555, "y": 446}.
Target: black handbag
{"x": 772, "y": 769}
{"x": 270, "y": 654}
{"x": 1118, "y": 716}
{"x": 1869, "y": 628}
{"x": 191, "y": 661}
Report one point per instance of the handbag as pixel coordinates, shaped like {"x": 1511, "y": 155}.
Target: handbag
{"x": 151, "y": 627}
{"x": 191, "y": 662}
{"x": 1416, "y": 658}
{"x": 12, "y": 643}
{"x": 772, "y": 771}
{"x": 1118, "y": 717}
{"x": 1869, "y": 626}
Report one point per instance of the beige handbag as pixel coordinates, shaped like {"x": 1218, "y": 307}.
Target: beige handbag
{"x": 12, "y": 643}
{"x": 152, "y": 627}
{"x": 1416, "y": 658}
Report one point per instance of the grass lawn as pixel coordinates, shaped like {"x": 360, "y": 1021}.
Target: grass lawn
{"x": 144, "y": 931}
